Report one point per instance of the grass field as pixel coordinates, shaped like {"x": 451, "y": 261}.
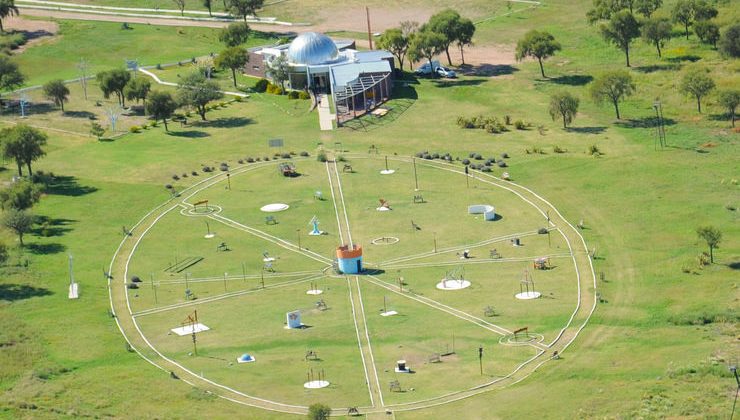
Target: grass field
{"x": 657, "y": 346}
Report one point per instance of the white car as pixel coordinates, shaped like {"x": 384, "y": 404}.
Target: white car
{"x": 445, "y": 72}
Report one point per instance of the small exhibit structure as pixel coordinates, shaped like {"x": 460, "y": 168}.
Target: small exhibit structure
{"x": 349, "y": 259}
{"x": 245, "y": 358}
{"x": 526, "y": 288}
{"x": 488, "y": 211}
{"x": 401, "y": 367}
{"x": 189, "y": 329}
{"x": 293, "y": 320}
{"x": 454, "y": 280}
{"x": 274, "y": 207}
{"x": 314, "y": 223}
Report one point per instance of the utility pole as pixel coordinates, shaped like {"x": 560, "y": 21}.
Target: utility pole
{"x": 369, "y": 32}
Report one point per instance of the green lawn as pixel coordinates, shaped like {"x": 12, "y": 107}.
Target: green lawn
{"x": 646, "y": 352}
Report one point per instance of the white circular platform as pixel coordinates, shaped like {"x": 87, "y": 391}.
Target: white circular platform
{"x": 209, "y": 235}
{"x": 382, "y": 209}
{"x": 387, "y": 171}
{"x": 274, "y": 207}
{"x": 528, "y": 295}
{"x": 316, "y": 384}
{"x": 453, "y": 284}
{"x": 385, "y": 240}
{"x": 314, "y": 292}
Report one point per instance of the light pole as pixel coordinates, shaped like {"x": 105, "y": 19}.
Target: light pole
{"x": 228, "y": 180}
{"x": 416, "y": 178}
{"x": 298, "y": 232}
{"x": 733, "y": 369}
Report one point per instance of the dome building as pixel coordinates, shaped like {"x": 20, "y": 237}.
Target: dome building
{"x": 357, "y": 81}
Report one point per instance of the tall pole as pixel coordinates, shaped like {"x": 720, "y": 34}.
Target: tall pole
{"x": 186, "y": 280}
{"x": 386, "y": 163}
{"x": 154, "y": 288}
{"x": 416, "y": 178}
{"x": 225, "y": 274}
{"x": 435, "y": 242}
{"x": 298, "y": 232}
{"x": 228, "y": 180}
{"x": 369, "y": 32}
{"x": 244, "y": 272}
{"x": 71, "y": 273}
{"x": 480, "y": 359}
{"x": 262, "y": 273}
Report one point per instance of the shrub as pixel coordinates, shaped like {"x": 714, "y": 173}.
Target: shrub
{"x": 4, "y": 254}
{"x": 250, "y": 159}
{"x": 504, "y": 155}
{"x": 304, "y": 153}
{"x": 703, "y": 259}
{"x": 542, "y": 231}
{"x": 168, "y": 186}
{"x": 293, "y": 94}
{"x": 134, "y": 129}
{"x": 266, "y": 158}
{"x": 184, "y": 175}
{"x": 501, "y": 164}
{"x": 341, "y": 158}
{"x": 224, "y": 167}
{"x": 285, "y": 156}
{"x": 259, "y": 159}
{"x": 471, "y": 155}
{"x": 478, "y": 156}
{"x": 466, "y": 161}
{"x": 304, "y": 95}
{"x": 319, "y": 411}
{"x": 428, "y": 156}
{"x": 277, "y": 90}
{"x": 175, "y": 177}
{"x": 135, "y": 279}
{"x": 492, "y": 129}
{"x": 159, "y": 66}
{"x": 520, "y": 125}
{"x": 261, "y": 85}
{"x": 486, "y": 168}
{"x": 593, "y": 150}
{"x": 558, "y": 149}
{"x": 321, "y": 157}
{"x": 206, "y": 169}
{"x": 507, "y": 119}
{"x": 194, "y": 173}
{"x": 435, "y": 156}
{"x": 241, "y": 161}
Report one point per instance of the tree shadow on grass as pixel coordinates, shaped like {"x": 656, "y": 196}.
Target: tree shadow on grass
{"x": 734, "y": 265}
{"x": 658, "y": 67}
{"x": 586, "y": 130}
{"x": 67, "y": 185}
{"x": 45, "y": 249}
{"x": 229, "y": 122}
{"x": 486, "y": 69}
{"x": 721, "y": 117}
{"x": 12, "y": 292}
{"x": 686, "y": 57}
{"x": 190, "y": 134}
{"x": 444, "y": 83}
{"x": 53, "y": 227}
{"x": 644, "y": 122}
{"x": 572, "y": 80}
{"x": 80, "y": 114}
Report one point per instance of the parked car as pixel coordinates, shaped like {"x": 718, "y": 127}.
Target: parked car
{"x": 445, "y": 72}
{"x": 426, "y": 69}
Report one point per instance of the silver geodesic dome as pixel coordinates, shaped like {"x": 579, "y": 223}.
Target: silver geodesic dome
{"x": 312, "y": 48}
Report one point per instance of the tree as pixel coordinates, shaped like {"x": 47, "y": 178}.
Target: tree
{"x": 712, "y": 236}
{"x": 729, "y": 100}
{"x": 612, "y": 86}
{"x": 465, "y": 33}
{"x": 319, "y": 411}
{"x": 409, "y": 29}
{"x": 138, "y": 89}
{"x": 195, "y": 90}
{"x": 708, "y": 32}
{"x": 56, "y": 91}
{"x": 656, "y": 31}
{"x": 18, "y": 221}
{"x": 244, "y": 8}
{"x": 604, "y": 9}
{"x": 10, "y": 76}
{"x": 539, "y": 45}
{"x": 96, "y": 130}
{"x": 114, "y": 81}
{"x": 621, "y": 30}
{"x": 161, "y": 106}
{"x": 426, "y": 44}
{"x": 232, "y": 58}
{"x": 698, "y": 84}
{"x": 20, "y": 195}
{"x": 180, "y": 5}
{"x": 565, "y": 105}
{"x": 7, "y": 8}
{"x": 278, "y": 69}
{"x": 647, "y": 7}
{"x": 704, "y": 11}
{"x": 394, "y": 41}
{"x": 4, "y": 254}
{"x": 445, "y": 23}
{"x": 234, "y": 34}
{"x": 729, "y": 41}
{"x": 207, "y": 4}
{"x": 23, "y": 144}
{"x": 82, "y": 68}
{"x": 686, "y": 12}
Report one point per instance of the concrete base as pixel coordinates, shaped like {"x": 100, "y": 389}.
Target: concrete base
{"x": 528, "y": 295}
{"x": 316, "y": 384}
{"x": 314, "y": 292}
{"x": 389, "y": 313}
{"x": 210, "y": 235}
{"x": 453, "y": 284}
{"x": 387, "y": 171}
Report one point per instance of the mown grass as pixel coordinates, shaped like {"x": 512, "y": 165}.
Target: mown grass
{"x": 640, "y": 208}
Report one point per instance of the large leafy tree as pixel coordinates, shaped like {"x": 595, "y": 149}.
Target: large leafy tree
{"x": 180, "y": 6}
{"x": 621, "y": 30}
{"x": 197, "y": 91}
{"x": 18, "y": 221}
{"x": 10, "y": 76}
{"x": 707, "y": 31}
{"x": 57, "y": 92}
{"x": 447, "y": 24}
{"x": 703, "y": 10}
{"x": 729, "y": 100}
{"x": 161, "y": 106}
{"x": 138, "y": 89}
{"x": 729, "y": 41}
{"x": 7, "y": 8}
{"x": 604, "y": 9}
{"x": 244, "y": 8}
{"x": 697, "y": 83}
{"x": 409, "y": 28}
{"x": 208, "y": 4}
{"x": 232, "y": 58}
{"x": 647, "y": 7}
{"x": 24, "y": 144}
{"x": 712, "y": 236}
{"x": 114, "y": 81}
{"x": 279, "y": 69}
{"x": 539, "y": 45}
{"x": 20, "y": 195}
{"x": 234, "y": 34}
{"x": 612, "y": 86}
{"x": 563, "y": 105}
{"x": 394, "y": 41}
{"x": 466, "y": 30}
{"x": 426, "y": 44}
{"x": 656, "y": 31}
{"x": 683, "y": 13}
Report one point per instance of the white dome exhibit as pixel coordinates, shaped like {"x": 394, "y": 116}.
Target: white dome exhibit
{"x": 312, "y": 48}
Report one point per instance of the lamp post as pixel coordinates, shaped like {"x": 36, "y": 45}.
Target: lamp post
{"x": 228, "y": 180}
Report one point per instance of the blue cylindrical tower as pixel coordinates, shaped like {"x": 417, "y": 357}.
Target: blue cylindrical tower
{"x": 349, "y": 259}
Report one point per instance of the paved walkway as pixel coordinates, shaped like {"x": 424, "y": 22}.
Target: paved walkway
{"x": 326, "y": 118}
